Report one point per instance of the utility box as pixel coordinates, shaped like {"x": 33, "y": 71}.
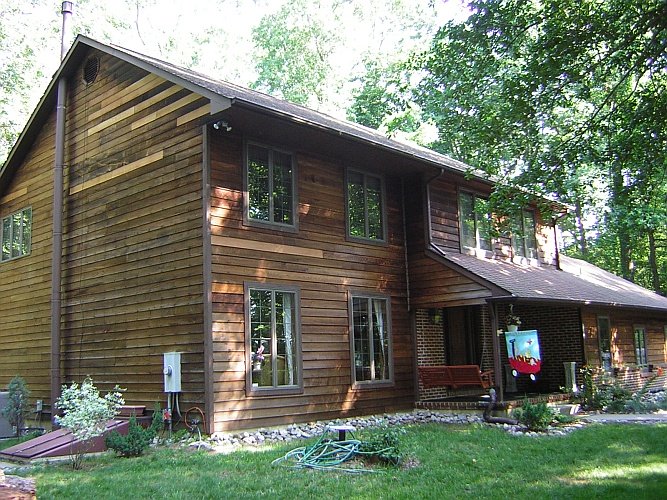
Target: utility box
{"x": 172, "y": 371}
{"x": 6, "y": 430}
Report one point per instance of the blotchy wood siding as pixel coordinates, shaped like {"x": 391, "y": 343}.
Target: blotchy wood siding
{"x": 132, "y": 264}
{"x": 432, "y": 284}
{"x": 622, "y": 323}
{"x": 25, "y": 283}
{"x": 326, "y": 268}
{"x": 444, "y": 213}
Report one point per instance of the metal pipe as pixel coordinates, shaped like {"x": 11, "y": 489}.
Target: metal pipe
{"x": 66, "y": 12}
{"x": 57, "y": 239}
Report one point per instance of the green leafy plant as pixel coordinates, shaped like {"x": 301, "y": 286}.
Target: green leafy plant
{"x": 17, "y": 404}
{"x": 384, "y": 445}
{"x": 137, "y": 439}
{"x": 86, "y": 412}
{"x": 537, "y": 417}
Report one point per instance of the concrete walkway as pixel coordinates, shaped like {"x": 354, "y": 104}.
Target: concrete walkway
{"x": 655, "y": 418}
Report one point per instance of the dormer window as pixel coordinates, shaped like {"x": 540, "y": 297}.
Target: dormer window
{"x": 474, "y": 222}
{"x": 524, "y": 241}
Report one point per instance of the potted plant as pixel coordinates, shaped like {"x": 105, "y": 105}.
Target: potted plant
{"x": 512, "y": 320}
{"x": 257, "y": 359}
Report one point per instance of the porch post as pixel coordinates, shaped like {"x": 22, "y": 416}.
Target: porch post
{"x": 497, "y": 365}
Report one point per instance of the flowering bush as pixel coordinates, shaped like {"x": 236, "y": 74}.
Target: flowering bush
{"x": 85, "y": 412}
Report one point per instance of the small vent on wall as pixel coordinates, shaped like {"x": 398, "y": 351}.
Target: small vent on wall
{"x": 91, "y": 69}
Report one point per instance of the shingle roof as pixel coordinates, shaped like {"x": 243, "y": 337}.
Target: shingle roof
{"x": 578, "y": 282}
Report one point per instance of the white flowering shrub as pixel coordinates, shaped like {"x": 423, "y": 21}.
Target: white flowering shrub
{"x": 86, "y": 412}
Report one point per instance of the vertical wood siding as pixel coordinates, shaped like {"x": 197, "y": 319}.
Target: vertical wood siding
{"x": 132, "y": 263}
{"x": 325, "y": 267}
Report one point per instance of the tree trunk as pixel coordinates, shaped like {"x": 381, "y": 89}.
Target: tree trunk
{"x": 618, "y": 203}
{"x": 581, "y": 231}
{"x": 653, "y": 261}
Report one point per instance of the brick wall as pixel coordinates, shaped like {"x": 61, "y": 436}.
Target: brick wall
{"x": 430, "y": 349}
{"x": 561, "y": 340}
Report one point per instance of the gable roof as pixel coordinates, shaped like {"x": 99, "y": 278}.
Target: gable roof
{"x": 578, "y": 282}
{"x": 222, "y": 95}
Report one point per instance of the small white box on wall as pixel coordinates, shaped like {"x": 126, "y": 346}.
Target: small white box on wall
{"x": 172, "y": 371}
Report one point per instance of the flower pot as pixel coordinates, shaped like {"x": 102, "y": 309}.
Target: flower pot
{"x": 512, "y": 328}
{"x": 257, "y": 366}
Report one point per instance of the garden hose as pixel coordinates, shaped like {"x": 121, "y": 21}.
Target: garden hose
{"x": 326, "y": 454}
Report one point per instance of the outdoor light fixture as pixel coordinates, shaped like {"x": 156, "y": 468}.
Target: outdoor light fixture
{"x": 222, "y": 125}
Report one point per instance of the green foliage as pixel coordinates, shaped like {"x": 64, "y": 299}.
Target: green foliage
{"x": 86, "y": 412}
{"x": 537, "y": 417}
{"x": 598, "y": 461}
{"x": 384, "y": 444}
{"x": 137, "y": 439}
{"x": 17, "y": 404}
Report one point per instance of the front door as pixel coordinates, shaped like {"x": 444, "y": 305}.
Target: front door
{"x": 461, "y": 336}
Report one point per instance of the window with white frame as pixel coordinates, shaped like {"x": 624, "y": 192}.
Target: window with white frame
{"x": 273, "y": 339}
{"x": 365, "y": 206}
{"x": 371, "y": 340}
{"x": 270, "y": 179}
{"x": 475, "y": 222}
{"x": 524, "y": 241}
{"x": 16, "y": 234}
{"x": 641, "y": 353}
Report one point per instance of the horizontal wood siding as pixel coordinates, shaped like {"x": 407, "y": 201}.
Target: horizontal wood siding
{"x": 325, "y": 267}
{"x": 25, "y": 283}
{"x": 432, "y": 284}
{"x": 622, "y": 323}
{"x": 444, "y": 214}
{"x": 132, "y": 265}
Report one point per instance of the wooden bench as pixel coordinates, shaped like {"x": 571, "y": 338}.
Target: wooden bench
{"x": 455, "y": 376}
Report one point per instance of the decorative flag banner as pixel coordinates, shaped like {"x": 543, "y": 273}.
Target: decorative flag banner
{"x": 523, "y": 351}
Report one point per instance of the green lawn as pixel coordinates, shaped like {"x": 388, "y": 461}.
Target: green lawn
{"x": 610, "y": 461}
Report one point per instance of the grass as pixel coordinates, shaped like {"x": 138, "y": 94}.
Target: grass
{"x": 611, "y": 461}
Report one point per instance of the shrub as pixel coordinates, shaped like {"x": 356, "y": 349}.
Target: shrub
{"x": 384, "y": 445}
{"x": 536, "y": 417}
{"x": 17, "y": 404}
{"x": 137, "y": 439}
{"x": 85, "y": 413}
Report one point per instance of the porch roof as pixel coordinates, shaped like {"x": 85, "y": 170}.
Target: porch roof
{"x": 578, "y": 282}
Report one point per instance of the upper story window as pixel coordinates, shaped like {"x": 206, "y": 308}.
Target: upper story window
{"x": 270, "y": 180}
{"x": 16, "y": 234}
{"x": 365, "y": 206}
{"x": 371, "y": 340}
{"x": 475, "y": 222}
{"x": 273, "y": 338}
{"x": 524, "y": 241}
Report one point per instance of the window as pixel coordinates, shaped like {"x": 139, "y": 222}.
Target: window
{"x": 365, "y": 206}
{"x": 16, "y": 234}
{"x": 475, "y": 222}
{"x": 270, "y": 186}
{"x": 640, "y": 346}
{"x": 273, "y": 338}
{"x": 371, "y": 340}
{"x": 524, "y": 241}
{"x": 604, "y": 341}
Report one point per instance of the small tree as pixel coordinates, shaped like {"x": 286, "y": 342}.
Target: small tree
{"x": 17, "y": 404}
{"x": 86, "y": 412}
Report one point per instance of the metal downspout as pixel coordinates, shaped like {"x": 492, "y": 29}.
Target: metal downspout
{"x": 57, "y": 240}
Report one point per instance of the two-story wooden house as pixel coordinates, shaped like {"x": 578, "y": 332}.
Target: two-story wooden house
{"x": 303, "y": 266}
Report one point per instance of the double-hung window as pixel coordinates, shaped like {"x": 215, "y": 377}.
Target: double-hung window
{"x": 524, "y": 241}
{"x": 475, "y": 222}
{"x": 273, "y": 341}
{"x": 365, "y": 206}
{"x": 16, "y": 234}
{"x": 641, "y": 354}
{"x": 371, "y": 340}
{"x": 270, "y": 184}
